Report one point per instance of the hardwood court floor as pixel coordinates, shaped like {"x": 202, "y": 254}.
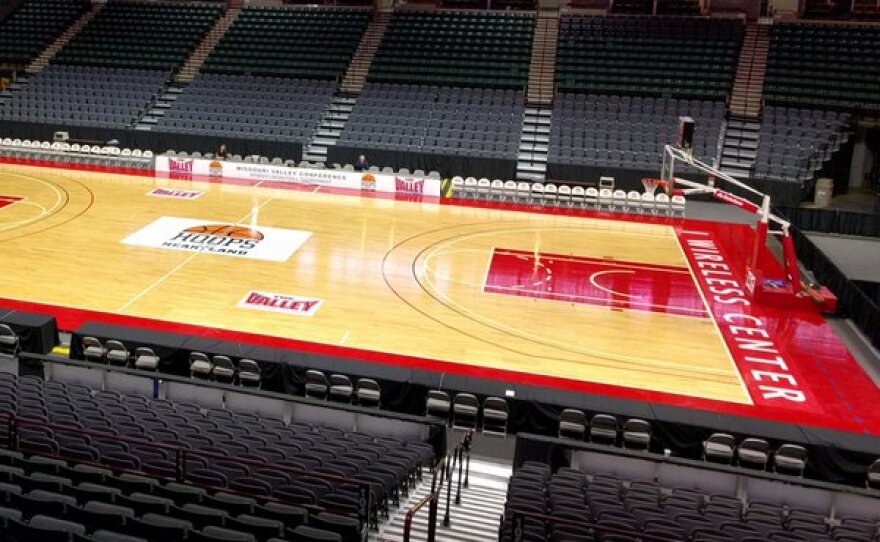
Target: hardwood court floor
{"x": 579, "y": 298}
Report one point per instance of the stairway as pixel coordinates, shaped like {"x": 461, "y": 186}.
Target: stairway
{"x": 748, "y": 87}
{"x": 740, "y": 146}
{"x": 543, "y": 64}
{"x": 356, "y": 76}
{"x": 476, "y": 519}
{"x": 531, "y": 164}
{"x": 190, "y": 68}
{"x": 157, "y": 108}
{"x": 42, "y": 60}
{"x": 332, "y": 122}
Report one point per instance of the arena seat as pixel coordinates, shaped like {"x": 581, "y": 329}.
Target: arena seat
{"x": 248, "y": 106}
{"x": 32, "y": 26}
{"x": 84, "y": 96}
{"x": 651, "y": 56}
{"x": 592, "y": 134}
{"x": 58, "y": 489}
{"x": 824, "y": 66}
{"x": 135, "y": 35}
{"x": 304, "y": 43}
{"x": 455, "y": 48}
{"x": 794, "y": 142}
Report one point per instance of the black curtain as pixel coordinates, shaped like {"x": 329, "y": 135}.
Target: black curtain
{"x": 448, "y": 165}
{"x": 833, "y": 221}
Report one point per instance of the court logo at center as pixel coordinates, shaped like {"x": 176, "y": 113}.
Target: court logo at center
{"x": 206, "y": 237}
{"x": 283, "y": 303}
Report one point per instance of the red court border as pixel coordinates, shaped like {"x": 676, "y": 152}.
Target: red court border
{"x": 844, "y": 396}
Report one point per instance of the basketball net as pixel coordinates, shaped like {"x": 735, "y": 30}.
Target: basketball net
{"x": 651, "y": 185}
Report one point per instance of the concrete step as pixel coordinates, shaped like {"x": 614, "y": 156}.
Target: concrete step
{"x": 529, "y": 167}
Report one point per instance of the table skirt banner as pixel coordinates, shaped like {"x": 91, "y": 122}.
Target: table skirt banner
{"x": 182, "y": 168}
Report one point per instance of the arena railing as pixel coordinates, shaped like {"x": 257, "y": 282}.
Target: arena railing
{"x": 444, "y": 471}
{"x": 367, "y": 512}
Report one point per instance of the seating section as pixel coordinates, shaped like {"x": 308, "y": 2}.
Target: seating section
{"x": 242, "y": 453}
{"x": 651, "y": 56}
{"x": 589, "y": 507}
{"x": 250, "y": 107}
{"x": 825, "y": 66}
{"x": 794, "y": 143}
{"x": 84, "y": 96}
{"x": 302, "y": 43}
{"x": 151, "y": 35}
{"x": 628, "y": 132}
{"x": 33, "y": 26}
{"x": 437, "y": 120}
{"x": 678, "y": 7}
{"x": 454, "y": 48}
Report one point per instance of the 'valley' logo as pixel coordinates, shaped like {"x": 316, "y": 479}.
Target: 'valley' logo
{"x": 174, "y": 193}
{"x": 408, "y": 185}
{"x": 286, "y": 304}
{"x": 180, "y": 165}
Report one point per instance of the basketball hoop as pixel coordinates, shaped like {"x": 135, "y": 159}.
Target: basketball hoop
{"x": 651, "y": 185}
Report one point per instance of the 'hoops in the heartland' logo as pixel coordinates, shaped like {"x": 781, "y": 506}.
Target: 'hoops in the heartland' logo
{"x": 368, "y": 182}
{"x": 204, "y": 237}
{"x": 215, "y": 168}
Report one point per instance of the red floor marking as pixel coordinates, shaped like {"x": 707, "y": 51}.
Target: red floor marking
{"x": 593, "y": 281}
{"x": 6, "y": 201}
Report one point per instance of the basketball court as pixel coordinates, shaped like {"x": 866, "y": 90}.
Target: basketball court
{"x": 643, "y": 307}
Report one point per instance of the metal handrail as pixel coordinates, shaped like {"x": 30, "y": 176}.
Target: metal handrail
{"x": 444, "y": 470}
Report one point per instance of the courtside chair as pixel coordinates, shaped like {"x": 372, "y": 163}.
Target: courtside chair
{"x": 790, "y": 458}
{"x": 572, "y": 424}
{"x": 117, "y": 354}
{"x": 606, "y": 183}
{"x": 249, "y": 373}
{"x": 662, "y": 204}
{"x": 719, "y": 448}
{"x": 578, "y": 196}
{"x": 523, "y": 191}
{"x": 465, "y": 411}
{"x": 495, "y": 415}
{"x": 509, "y": 191}
{"x": 8, "y": 341}
{"x": 753, "y": 453}
{"x": 619, "y": 201}
{"x": 606, "y": 199}
{"x": 316, "y": 384}
{"x": 636, "y": 434}
{"x": 604, "y": 429}
{"x": 496, "y": 190}
{"x": 537, "y": 194}
{"x": 677, "y": 205}
{"x": 93, "y": 350}
{"x": 483, "y": 188}
{"x": 145, "y": 359}
{"x": 200, "y": 366}
{"x": 438, "y": 405}
{"x": 873, "y": 478}
{"x": 563, "y": 195}
{"x": 648, "y": 203}
{"x": 224, "y": 370}
{"x": 470, "y": 187}
{"x": 634, "y": 201}
{"x": 457, "y": 187}
{"x": 551, "y": 194}
{"x": 341, "y": 388}
{"x": 368, "y": 393}
{"x": 591, "y": 197}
